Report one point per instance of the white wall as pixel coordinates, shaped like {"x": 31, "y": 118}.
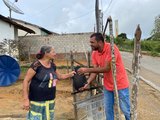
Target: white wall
{"x": 6, "y": 31}
{"x": 22, "y": 33}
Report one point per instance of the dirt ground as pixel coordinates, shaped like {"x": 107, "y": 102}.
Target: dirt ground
{"x": 11, "y": 102}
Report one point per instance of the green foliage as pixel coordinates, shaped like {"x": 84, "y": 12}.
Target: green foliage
{"x": 122, "y": 35}
{"x": 146, "y": 46}
{"x": 153, "y": 46}
{"x": 156, "y": 37}
{"x": 124, "y": 44}
{"x": 129, "y": 44}
{"x": 153, "y": 53}
{"x": 107, "y": 38}
{"x": 156, "y": 30}
{"x": 157, "y": 48}
{"x": 120, "y": 42}
{"x": 24, "y": 68}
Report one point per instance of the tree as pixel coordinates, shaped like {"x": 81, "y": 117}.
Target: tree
{"x": 122, "y": 35}
{"x": 156, "y": 30}
{"x": 8, "y": 46}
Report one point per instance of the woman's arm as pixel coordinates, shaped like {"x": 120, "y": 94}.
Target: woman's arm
{"x": 30, "y": 73}
{"x": 65, "y": 76}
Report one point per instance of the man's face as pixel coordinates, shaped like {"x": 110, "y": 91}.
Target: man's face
{"x": 94, "y": 44}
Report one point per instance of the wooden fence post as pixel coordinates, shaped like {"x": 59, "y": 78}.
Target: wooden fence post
{"x": 113, "y": 66}
{"x": 135, "y": 67}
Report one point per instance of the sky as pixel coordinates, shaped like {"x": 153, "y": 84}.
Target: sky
{"x": 76, "y": 16}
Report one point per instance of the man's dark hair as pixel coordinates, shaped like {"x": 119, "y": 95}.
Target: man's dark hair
{"x": 98, "y": 36}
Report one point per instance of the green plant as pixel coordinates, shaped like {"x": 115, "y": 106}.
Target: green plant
{"x": 157, "y": 48}
{"x": 153, "y": 53}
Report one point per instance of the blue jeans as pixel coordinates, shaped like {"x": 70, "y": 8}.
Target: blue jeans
{"x": 124, "y": 101}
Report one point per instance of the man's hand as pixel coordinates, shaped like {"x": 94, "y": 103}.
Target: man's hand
{"x": 84, "y": 87}
{"x": 82, "y": 70}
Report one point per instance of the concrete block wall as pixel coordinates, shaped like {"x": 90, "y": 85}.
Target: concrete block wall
{"x": 63, "y": 43}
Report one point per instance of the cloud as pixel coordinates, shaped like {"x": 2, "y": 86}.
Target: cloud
{"x": 78, "y": 15}
{"x": 73, "y": 18}
{"x": 133, "y": 12}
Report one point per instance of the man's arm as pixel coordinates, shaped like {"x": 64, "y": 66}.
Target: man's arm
{"x": 96, "y": 69}
{"x": 90, "y": 79}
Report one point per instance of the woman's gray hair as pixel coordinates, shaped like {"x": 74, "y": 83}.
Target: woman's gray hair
{"x": 43, "y": 51}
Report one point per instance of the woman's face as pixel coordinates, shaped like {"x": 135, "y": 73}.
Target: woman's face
{"x": 51, "y": 54}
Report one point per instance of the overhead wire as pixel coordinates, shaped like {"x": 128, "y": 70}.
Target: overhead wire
{"x": 74, "y": 17}
{"x": 42, "y": 10}
{"x": 108, "y": 7}
{"x": 63, "y": 21}
{"x": 101, "y": 5}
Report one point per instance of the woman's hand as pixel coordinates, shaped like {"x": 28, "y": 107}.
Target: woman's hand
{"x": 26, "y": 104}
{"x": 72, "y": 73}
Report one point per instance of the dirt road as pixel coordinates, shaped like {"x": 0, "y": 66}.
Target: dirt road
{"x": 149, "y": 67}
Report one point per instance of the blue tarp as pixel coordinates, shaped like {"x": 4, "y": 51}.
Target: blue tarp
{"x": 9, "y": 70}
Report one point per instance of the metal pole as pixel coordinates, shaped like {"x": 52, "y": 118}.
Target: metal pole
{"x": 105, "y": 28}
{"x": 10, "y": 12}
{"x": 97, "y": 15}
{"x": 99, "y": 18}
{"x": 113, "y": 66}
{"x": 135, "y": 67}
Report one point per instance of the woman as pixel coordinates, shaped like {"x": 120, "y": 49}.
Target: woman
{"x": 39, "y": 85}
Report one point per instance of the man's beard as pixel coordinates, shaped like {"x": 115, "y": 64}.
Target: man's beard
{"x": 94, "y": 48}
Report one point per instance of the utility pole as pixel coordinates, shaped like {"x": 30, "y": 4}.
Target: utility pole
{"x": 116, "y": 27}
{"x": 99, "y": 18}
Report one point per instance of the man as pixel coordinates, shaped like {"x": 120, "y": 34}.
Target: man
{"x": 101, "y": 60}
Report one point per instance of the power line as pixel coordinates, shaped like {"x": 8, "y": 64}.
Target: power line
{"x": 108, "y": 6}
{"x": 101, "y": 5}
{"x": 74, "y": 17}
{"x": 42, "y": 10}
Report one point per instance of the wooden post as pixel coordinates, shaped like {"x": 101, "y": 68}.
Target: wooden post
{"x": 113, "y": 68}
{"x": 135, "y": 67}
{"x": 74, "y": 96}
{"x": 89, "y": 65}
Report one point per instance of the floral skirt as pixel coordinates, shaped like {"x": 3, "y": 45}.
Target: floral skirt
{"x": 41, "y": 110}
